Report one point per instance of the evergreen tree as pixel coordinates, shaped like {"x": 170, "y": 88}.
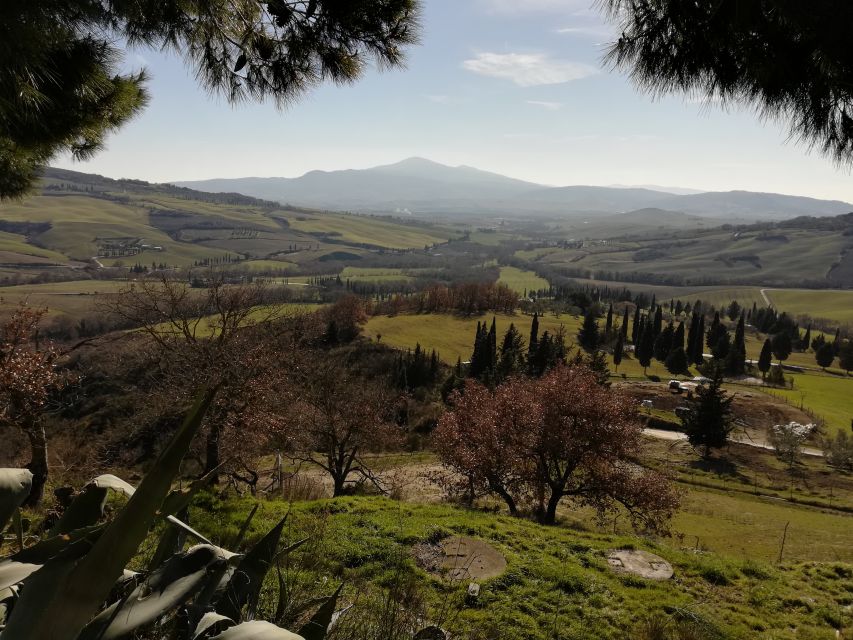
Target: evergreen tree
{"x": 715, "y": 332}
{"x": 534, "y": 335}
{"x": 623, "y": 330}
{"x": 845, "y": 356}
{"x": 512, "y": 353}
{"x": 709, "y": 421}
{"x": 663, "y": 343}
{"x": 480, "y": 356}
{"x": 678, "y": 338}
{"x": 817, "y": 342}
{"x": 698, "y": 347}
{"x": 781, "y": 346}
{"x": 493, "y": 346}
{"x": 608, "y": 325}
{"x": 692, "y": 335}
{"x": 734, "y": 310}
{"x": 736, "y": 358}
{"x": 676, "y": 361}
{"x": 765, "y": 360}
{"x": 678, "y": 307}
{"x": 635, "y": 330}
{"x": 825, "y": 355}
{"x": 806, "y": 342}
{"x": 618, "y": 349}
{"x": 588, "y": 336}
{"x": 646, "y": 349}
{"x": 658, "y": 322}
{"x": 836, "y": 343}
{"x": 597, "y": 363}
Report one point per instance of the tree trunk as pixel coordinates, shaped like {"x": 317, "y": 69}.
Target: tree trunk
{"x": 212, "y": 450}
{"x": 38, "y": 462}
{"x": 338, "y": 484}
{"x": 550, "y": 514}
{"x": 510, "y": 502}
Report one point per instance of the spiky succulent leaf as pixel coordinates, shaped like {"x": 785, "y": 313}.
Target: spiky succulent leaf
{"x": 65, "y": 604}
{"x": 15, "y": 485}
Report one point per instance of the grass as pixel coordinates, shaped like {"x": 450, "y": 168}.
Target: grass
{"x": 827, "y": 396}
{"x": 453, "y": 336}
{"x": 557, "y": 583}
{"x": 75, "y": 298}
{"x": 521, "y": 281}
{"x": 832, "y": 305}
{"x": 367, "y": 230}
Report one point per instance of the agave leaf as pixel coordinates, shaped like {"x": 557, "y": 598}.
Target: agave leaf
{"x": 245, "y": 527}
{"x": 165, "y": 589}
{"x": 15, "y": 485}
{"x": 244, "y": 586}
{"x": 63, "y": 606}
{"x": 318, "y": 626}
{"x": 210, "y": 624}
{"x": 29, "y": 606}
{"x": 88, "y": 506}
{"x": 257, "y": 630}
{"x": 21, "y": 565}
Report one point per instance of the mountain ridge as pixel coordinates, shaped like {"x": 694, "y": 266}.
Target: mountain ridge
{"x": 422, "y": 186}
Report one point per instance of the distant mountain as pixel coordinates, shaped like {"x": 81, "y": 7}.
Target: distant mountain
{"x": 679, "y": 191}
{"x": 424, "y": 187}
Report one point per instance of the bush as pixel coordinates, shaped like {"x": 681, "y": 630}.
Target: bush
{"x": 839, "y": 451}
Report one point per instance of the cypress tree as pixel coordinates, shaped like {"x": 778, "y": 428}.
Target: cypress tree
{"x": 676, "y": 361}
{"x": 618, "y": 348}
{"x": 588, "y": 336}
{"x": 493, "y": 346}
{"x": 781, "y": 343}
{"x": 709, "y": 422}
{"x": 663, "y": 343}
{"x": 825, "y": 355}
{"x": 766, "y": 358}
{"x": 679, "y": 307}
{"x": 807, "y": 339}
{"x": 635, "y": 330}
{"x": 678, "y": 338}
{"x": 698, "y": 347}
{"x": 658, "y": 325}
{"x": 534, "y": 335}
{"x": 512, "y": 353}
{"x": 608, "y": 325}
{"x": 623, "y": 330}
{"x": 647, "y": 346}
{"x": 736, "y": 361}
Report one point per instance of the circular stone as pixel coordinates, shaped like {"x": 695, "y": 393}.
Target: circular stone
{"x": 639, "y": 563}
{"x": 462, "y": 558}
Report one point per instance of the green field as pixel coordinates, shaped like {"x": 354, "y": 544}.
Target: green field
{"x": 453, "y": 336}
{"x": 367, "y": 230}
{"x": 74, "y": 298}
{"x": 557, "y": 583}
{"x": 831, "y": 305}
{"x": 520, "y": 280}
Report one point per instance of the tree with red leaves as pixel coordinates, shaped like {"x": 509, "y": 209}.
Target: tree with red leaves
{"x": 556, "y": 437}
{"x": 27, "y": 378}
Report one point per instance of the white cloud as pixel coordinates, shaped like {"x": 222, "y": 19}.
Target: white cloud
{"x": 527, "y": 69}
{"x": 550, "y": 106}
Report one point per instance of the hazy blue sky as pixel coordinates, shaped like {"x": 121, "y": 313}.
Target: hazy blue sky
{"x": 512, "y": 86}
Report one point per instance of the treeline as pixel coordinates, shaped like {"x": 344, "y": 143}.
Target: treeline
{"x": 468, "y": 298}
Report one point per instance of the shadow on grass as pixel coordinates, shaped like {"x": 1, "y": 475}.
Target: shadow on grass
{"x": 718, "y": 466}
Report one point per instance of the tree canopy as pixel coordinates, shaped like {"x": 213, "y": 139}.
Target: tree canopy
{"x": 792, "y": 60}
{"x": 62, "y": 88}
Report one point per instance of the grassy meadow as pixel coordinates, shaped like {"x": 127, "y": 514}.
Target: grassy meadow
{"x": 557, "y": 582}
{"x": 520, "y": 280}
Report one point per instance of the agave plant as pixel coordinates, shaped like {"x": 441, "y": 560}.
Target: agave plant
{"x": 74, "y": 584}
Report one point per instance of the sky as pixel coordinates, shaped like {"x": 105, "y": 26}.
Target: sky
{"x": 518, "y": 87}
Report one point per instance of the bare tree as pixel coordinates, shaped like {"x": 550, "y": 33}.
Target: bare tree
{"x": 336, "y": 417}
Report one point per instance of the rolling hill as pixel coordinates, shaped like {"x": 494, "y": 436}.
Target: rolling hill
{"x": 424, "y": 187}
